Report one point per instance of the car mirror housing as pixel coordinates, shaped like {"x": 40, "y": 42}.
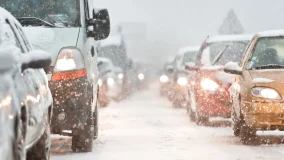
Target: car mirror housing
{"x": 100, "y": 23}
{"x": 233, "y": 68}
{"x": 35, "y": 59}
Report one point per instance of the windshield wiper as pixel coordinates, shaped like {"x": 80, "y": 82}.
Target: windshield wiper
{"x": 219, "y": 55}
{"x": 33, "y": 21}
{"x": 269, "y": 66}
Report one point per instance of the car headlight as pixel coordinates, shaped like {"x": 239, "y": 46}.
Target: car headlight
{"x": 141, "y": 76}
{"x": 182, "y": 81}
{"x": 110, "y": 81}
{"x": 263, "y": 92}
{"x": 120, "y": 76}
{"x": 6, "y": 101}
{"x": 69, "y": 59}
{"x": 164, "y": 78}
{"x": 208, "y": 84}
{"x": 100, "y": 82}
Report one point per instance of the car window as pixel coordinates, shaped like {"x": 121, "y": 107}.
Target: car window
{"x": 223, "y": 52}
{"x": 8, "y": 35}
{"x": 26, "y": 42}
{"x": 189, "y": 57}
{"x": 267, "y": 51}
{"x": 232, "y": 53}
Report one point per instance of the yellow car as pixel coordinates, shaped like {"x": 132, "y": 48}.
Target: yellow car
{"x": 258, "y": 89}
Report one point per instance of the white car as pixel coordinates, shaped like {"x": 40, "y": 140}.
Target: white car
{"x": 108, "y": 76}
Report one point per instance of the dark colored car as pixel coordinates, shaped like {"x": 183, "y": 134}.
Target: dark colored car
{"x": 209, "y": 90}
{"x": 25, "y": 98}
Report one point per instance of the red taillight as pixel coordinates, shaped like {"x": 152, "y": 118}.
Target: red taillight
{"x": 69, "y": 75}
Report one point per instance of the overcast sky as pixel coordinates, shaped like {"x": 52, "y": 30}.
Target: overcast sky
{"x": 175, "y": 23}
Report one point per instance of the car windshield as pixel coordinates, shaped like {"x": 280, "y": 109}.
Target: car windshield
{"x": 221, "y": 53}
{"x": 189, "y": 57}
{"x": 62, "y": 12}
{"x": 268, "y": 53}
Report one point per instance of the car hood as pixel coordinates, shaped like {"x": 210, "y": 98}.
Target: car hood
{"x": 52, "y": 39}
{"x": 267, "y": 76}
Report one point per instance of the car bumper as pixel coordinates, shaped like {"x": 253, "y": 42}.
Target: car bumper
{"x": 70, "y": 98}
{"x": 179, "y": 93}
{"x": 215, "y": 104}
{"x": 264, "y": 116}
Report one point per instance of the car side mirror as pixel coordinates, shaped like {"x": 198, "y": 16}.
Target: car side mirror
{"x": 233, "y": 68}
{"x": 101, "y": 24}
{"x": 191, "y": 67}
{"x": 35, "y": 59}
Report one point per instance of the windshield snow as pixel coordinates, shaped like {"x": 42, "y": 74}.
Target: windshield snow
{"x": 65, "y": 12}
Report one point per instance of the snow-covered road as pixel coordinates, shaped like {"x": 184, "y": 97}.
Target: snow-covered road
{"x": 146, "y": 127}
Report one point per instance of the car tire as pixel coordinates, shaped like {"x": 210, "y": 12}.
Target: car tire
{"x": 96, "y": 123}
{"x": 190, "y": 112}
{"x": 236, "y": 126}
{"x": 201, "y": 120}
{"x": 82, "y": 139}
{"x": 41, "y": 150}
{"x": 247, "y": 134}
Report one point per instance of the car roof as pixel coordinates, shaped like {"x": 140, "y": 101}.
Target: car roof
{"x": 230, "y": 38}
{"x": 271, "y": 33}
{"x": 183, "y": 50}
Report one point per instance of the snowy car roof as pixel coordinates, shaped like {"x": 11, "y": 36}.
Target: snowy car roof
{"x": 188, "y": 49}
{"x": 115, "y": 40}
{"x": 271, "y": 33}
{"x": 229, "y": 38}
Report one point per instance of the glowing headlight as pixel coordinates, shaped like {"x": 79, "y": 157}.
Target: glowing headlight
{"x": 110, "y": 81}
{"x": 6, "y": 101}
{"x": 69, "y": 59}
{"x": 208, "y": 84}
{"x": 141, "y": 76}
{"x": 182, "y": 81}
{"x": 100, "y": 82}
{"x": 263, "y": 92}
{"x": 120, "y": 76}
{"x": 164, "y": 78}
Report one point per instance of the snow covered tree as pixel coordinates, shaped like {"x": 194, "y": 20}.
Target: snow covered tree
{"x": 231, "y": 24}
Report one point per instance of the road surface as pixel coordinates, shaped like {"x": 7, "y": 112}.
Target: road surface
{"x": 146, "y": 127}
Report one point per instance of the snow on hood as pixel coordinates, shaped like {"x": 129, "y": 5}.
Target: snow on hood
{"x": 225, "y": 77}
{"x": 262, "y": 80}
{"x": 52, "y": 39}
{"x": 115, "y": 40}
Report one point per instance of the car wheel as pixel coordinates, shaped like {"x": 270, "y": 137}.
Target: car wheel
{"x": 41, "y": 150}
{"x": 201, "y": 120}
{"x": 82, "y": 139}
{"x": 247, "y": 134}
{"x": 236, "y": 125}
{"x": 96, "y": 124}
